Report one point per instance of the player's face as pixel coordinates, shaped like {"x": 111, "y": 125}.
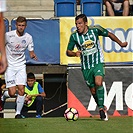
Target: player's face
{"x": 20, "y": 28}
{"x": 81, "y": 26}
{"x": 30, "y": 82}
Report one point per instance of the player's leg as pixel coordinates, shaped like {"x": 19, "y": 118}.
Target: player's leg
{"x": 10, "y": 80}
{"x": 20, "y": 100}
{"x": 90, "y": 81}
{"x": 99, "y": 91}
{"x": 10, "y": 85}
{"x": 93, "y": 92}
{"x": 100, "y": 96}
{"x": 96, "y": 86}
{"x": 21, "y": 82}
{"x": 24, "y": 111}
{"x": 99, "y": 74}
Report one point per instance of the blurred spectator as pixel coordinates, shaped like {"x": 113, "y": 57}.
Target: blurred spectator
{"x": 117, "y": 7}
{"x": 78, "y": 2}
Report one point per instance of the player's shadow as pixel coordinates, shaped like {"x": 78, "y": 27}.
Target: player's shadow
{"x": 90, "y": 119}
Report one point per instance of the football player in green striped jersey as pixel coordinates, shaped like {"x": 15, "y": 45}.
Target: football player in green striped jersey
{"x": 86, "y": 39}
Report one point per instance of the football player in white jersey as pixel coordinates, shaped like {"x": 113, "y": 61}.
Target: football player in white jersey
{"x": 17, "y": 41}
{"x": 3, "y": 61}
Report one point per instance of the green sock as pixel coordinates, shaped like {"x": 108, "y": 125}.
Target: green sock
{"x": 95, "y": 97}
{"x": 100, "y": 96}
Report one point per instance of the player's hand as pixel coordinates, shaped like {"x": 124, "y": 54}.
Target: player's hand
{"x": 33, "y": 55}
{"x": 78, "y": 53}
{"x": 124, "y": 44}
{"x": 28, "y": 97}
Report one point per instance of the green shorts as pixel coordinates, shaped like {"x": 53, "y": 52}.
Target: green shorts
{"x": 90, "y": 74}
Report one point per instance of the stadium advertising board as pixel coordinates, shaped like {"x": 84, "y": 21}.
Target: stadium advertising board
{"x": 118, "y": 84}
{"x": 122, "y": 27}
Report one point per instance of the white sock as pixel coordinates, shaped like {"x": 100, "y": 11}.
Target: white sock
{"x": 20, "y": 103}
{"x": 5, "y": 96}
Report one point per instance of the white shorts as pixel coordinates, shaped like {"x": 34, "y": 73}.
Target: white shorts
{"x": 2, "y": 5}
{"x": 15, "y": 77}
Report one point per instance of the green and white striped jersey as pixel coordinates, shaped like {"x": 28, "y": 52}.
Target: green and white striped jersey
{"x": 89, "y": 44}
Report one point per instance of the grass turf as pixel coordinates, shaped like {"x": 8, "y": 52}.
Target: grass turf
{"x": 60, "y": 125}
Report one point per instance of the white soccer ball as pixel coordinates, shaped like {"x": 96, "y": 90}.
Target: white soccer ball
{"x": 71, "y": 114}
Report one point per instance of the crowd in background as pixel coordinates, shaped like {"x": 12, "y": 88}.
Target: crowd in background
{"x": 116, "y": 7}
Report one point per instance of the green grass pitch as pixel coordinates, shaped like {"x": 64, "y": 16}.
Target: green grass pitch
{"x": 60, "y": 125}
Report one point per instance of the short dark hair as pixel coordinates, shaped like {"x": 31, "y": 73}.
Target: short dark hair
{"x": 21, "y": 19}
{"x": 31, "y": 75}
{"x": 83, "y": 16}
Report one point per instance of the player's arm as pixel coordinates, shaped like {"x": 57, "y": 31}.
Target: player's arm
{"x": 114, "y": 38}
{"x": 70, "y": 48}
{"x": 33, "y": 55}
{"x": 73, "y": 54}
{"x": 31, "y": 49}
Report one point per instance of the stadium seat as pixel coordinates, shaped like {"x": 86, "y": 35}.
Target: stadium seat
{"x": 131, "y": 10}
{"x": 91, "y": 7}
{"x": 65, "y": 8}
{"x": 6, "y": 24}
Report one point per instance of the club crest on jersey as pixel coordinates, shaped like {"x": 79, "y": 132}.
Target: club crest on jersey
{"x": 23, "y": 41}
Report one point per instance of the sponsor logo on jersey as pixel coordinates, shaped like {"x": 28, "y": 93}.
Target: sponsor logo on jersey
{"x": 11, "y": 82}
{"x": 17, "y": 46}
{"x": 88, "y": 44}
{"x": 88, "y": 48}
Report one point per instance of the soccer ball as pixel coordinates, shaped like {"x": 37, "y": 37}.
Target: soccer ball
{"x": 71, "y": 114}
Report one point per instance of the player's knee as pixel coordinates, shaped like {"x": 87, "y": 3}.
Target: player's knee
{"x": 11, "y": 94}
{"x": 12, "y": 91}
{"x": 98, "y": 80}
{"x": 98, "y": 83}
{"x": 21, "y": 92}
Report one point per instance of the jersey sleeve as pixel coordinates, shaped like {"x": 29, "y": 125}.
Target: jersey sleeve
{"x": 30, "y": 44}
{"x": 102, "y": 31}
{"x": 2, "y": 5}
{"x": 6, "y": 38}
{"x": 71, "y": 43}
{"x": 40, "y": 89}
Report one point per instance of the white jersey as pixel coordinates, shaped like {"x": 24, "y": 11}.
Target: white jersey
{"x": 2, "y": 5}
{"x": 16, "y": 46}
